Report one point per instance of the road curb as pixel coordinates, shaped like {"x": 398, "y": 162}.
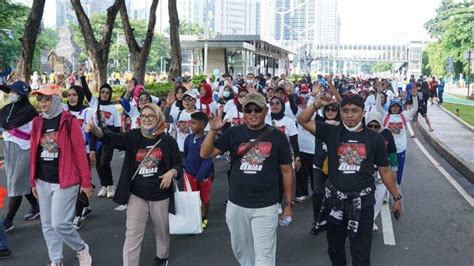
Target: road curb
{"x": 471, "y": 128}
{"x": 457, "y": 162}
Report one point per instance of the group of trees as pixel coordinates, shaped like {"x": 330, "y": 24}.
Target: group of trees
{"x": 96, "y": 38}
{"x": 452, "y": 30}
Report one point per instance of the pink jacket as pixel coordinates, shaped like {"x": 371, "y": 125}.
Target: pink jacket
{"x": 73, "y": 165}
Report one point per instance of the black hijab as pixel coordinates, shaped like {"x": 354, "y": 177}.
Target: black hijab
{"x": 338, "y": 115}
{"x": 179, "y": 103}
{"x": 17, "y": 114}
{"x": 281, "y": 114}
{"x": 80, "y": 99}
{"x": 107, "y": 102}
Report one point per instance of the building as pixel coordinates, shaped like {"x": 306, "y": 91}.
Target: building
{"x": 328, "y": 22}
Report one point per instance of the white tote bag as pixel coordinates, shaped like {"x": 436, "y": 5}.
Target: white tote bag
{"x": 187, "y": 219}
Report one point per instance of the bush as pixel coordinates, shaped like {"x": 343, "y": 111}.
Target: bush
{"x": 159, "y": 89}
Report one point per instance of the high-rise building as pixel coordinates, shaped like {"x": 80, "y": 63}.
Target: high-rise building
{"x": 236, "y": 17}
{"x": 328, "y": 22}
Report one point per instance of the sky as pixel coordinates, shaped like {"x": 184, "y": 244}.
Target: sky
{"x": 385, "y": 21}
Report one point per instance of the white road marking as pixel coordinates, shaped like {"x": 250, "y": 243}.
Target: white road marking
{"x": 445, "y": 173}
{"x": 387, "y": 227}
{"x": 121, "y": 208}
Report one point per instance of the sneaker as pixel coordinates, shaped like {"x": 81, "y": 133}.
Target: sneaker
{"x": 5, "y": 254}
{"x": 300, "y": 199}
{"x": 205, "y": 222}
{"x": 8, "y": 225}
{"x": 102, "y": 192}
{"x": 32, "y": 215}
{"x": 85, "y": 212}
{"x": 375, "y": 228}
{"x": 77, "y": 223}
{"x": 318, "y": 228}
{"x": 110, "y": 191}
{"x": 55, "y": 264}
{"x": 160, "y": 262}
{"x": 84, "y": 256}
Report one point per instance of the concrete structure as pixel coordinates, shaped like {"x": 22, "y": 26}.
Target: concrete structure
{"x": 235, "y": 54}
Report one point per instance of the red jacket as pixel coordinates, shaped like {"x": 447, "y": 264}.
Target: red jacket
{"x": 73, "y": 165}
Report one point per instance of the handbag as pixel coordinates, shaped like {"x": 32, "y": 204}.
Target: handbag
{"x": 187, "y": 219}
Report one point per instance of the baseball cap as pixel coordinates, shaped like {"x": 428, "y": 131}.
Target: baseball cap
{"x": 255, "y": 98}
{"x": 190, "y": 93}
{"x": 177, "y": 79}
{"x": 20, "y": 87}
{"x": 49, "y": 89}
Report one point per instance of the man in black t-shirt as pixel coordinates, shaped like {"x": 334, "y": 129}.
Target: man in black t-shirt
{"x": 353, "y": 150}
{"x": 257, "y": 153}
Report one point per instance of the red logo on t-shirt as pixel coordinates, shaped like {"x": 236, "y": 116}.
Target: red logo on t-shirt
{"x": 351, "y": 156}
{"x": 149, "y": 166}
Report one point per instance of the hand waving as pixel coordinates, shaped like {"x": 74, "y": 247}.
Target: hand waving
{"x": 216, "y": 123}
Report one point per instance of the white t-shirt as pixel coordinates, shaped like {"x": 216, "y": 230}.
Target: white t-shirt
{"x": 134, "y": 115}
{"x": 289, "y": 112}
{"x": 203, "y": 107}
{"x": 84, "y": 117}
{"x": 24, "y": 144}
{"x": 110, "y": 115}
{"x": 229, "y": 105}
{"x": 183, "y": 127}
{"x": 234, "y": 116}
{"x": 306, "y": 140}
{"x": 398, "y": 129}
{"x": 285, "y": 125}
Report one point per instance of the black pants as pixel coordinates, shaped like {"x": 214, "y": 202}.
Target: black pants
{"x": 360, "y": 245}
{"x": 15, "y": 202}
{"x": 440, "y": 96}
{"x": 303, "y": 174}
{"x": 104, "y": 157}
{"x": 318, "y": 191}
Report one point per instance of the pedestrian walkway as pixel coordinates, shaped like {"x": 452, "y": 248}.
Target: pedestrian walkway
{"x": 452, "y": 139}
{"x": 456, "y": 100}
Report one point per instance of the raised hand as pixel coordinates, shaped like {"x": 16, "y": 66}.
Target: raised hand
{"x": 329, "y": 78}
{"x": 216, "y": 122}
{"x": 171, "y": 99}
{"x": 81, "y": 71}
{"x": 316, "y": 89}
{"x": 324, "y": 99}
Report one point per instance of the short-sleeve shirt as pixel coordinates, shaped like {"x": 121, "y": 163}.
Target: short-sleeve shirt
{"x": 352, "y": 156}
{"x": 254, "y": 177}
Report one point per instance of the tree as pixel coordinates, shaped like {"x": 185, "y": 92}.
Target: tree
{"x": 12, "y": 20}
{"x": 139, "y": 55}
{"x": 175, "y": 65}
{"x": 28, "y": 41}
{"x": 382, "y": 67}
{"x": 186, "y": 28}
{"x": 452, "y": 29}
{"x": 98, "y": 51}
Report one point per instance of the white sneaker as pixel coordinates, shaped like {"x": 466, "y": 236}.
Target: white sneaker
{"x": 300, "y": 199}
{"x": 375, "y": 228}
{"x": 102, "y": 192}
{"x": 110, "y": 191}
{"x": 84, "y": 256}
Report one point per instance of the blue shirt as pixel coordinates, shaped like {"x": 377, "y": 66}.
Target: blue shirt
{"x": 193, "y": 163}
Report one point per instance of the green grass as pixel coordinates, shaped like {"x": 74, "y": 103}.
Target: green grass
{"x": 460, "y": 96}
{"x": 466, "y": 112}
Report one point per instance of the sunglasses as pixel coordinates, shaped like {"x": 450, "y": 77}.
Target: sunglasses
{"x": 331, "y": 109}
{"x": 47, "y": 98}
{"x": 256, "y": 109}
{"x": 105, "y": 92}
{"x": 275, "y": 103}
{"x": 373, "y": 126}
{"x": 188, "y": 99}
{"x": 144, "y": 99}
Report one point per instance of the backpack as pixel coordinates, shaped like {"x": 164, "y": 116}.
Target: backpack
{"x": 387, "y": 119}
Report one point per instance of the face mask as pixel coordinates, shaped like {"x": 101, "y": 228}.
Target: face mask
{"x": 226, "y": 83}
{"x": 353, "y": 129}
{"x": 226, "y": 94}
{"x": 249, "y": 82}
{"x": 13, "y": 97}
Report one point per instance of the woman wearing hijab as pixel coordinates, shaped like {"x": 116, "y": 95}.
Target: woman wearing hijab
{"x": 150, "y": 165}
{"x": 233, "y": 114}
{"x": 15, "y": 119}
{"x": 205, "y": 102}
{"x": 133, "y": 111}
{"x": 331, "y": 115}
{"x": 105, "y": 114}
{"x": 59, "y": 168}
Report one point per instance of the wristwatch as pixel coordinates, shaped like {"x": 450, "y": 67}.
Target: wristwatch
{"x": 397, "y": 198}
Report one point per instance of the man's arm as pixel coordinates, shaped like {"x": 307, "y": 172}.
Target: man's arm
{"x": 208, "y": 150}
{"x": 388, "y": 179}
{"x": 288, "y": 187}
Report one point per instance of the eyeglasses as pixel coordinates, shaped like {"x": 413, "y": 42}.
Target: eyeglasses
{"x": 275, "y": 103}
{"x": 373, "y": 126}
{"x": 147, "y": 117}
{"x": 144, "y": 99}
{"x": 331, "y": 109}
{"x": 256, "y": 109}
{"x": 105, "y": 92}
{"x": 47, "y": 98}
{"x": 188, "y": 99}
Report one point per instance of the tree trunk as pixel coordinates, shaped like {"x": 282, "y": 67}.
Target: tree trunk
{"x": 139, "y": 55}
{"x": 28, "y": 41}
{"x": 98, "y": 51}
{"x": 175, "y": 65}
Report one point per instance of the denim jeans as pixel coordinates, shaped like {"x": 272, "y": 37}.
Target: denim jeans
{"x": 3, "y": 237}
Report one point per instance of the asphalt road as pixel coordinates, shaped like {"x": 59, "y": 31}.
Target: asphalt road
{"x": 437, "y": 228}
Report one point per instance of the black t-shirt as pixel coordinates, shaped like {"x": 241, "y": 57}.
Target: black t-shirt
{"x": 352, "y": 156}
{"x": 146, "y": 184}
{"x": 389, "y": 141}
{"x": 254, "y": 178}
{"x": 48, "y": 152}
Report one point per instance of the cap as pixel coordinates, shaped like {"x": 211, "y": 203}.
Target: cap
{"x": 49, "y": 89}
{"x": 354, "y": 99}
{"x": 373, "y": 115}
{"x": 239, "y": 74}
{"x": 19, "y": 87}
{"x": 177, "y": 79}
{"x": 304, "y": 88}
{"x": 255, "y": 98}
{"x": 190, "y": 93}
